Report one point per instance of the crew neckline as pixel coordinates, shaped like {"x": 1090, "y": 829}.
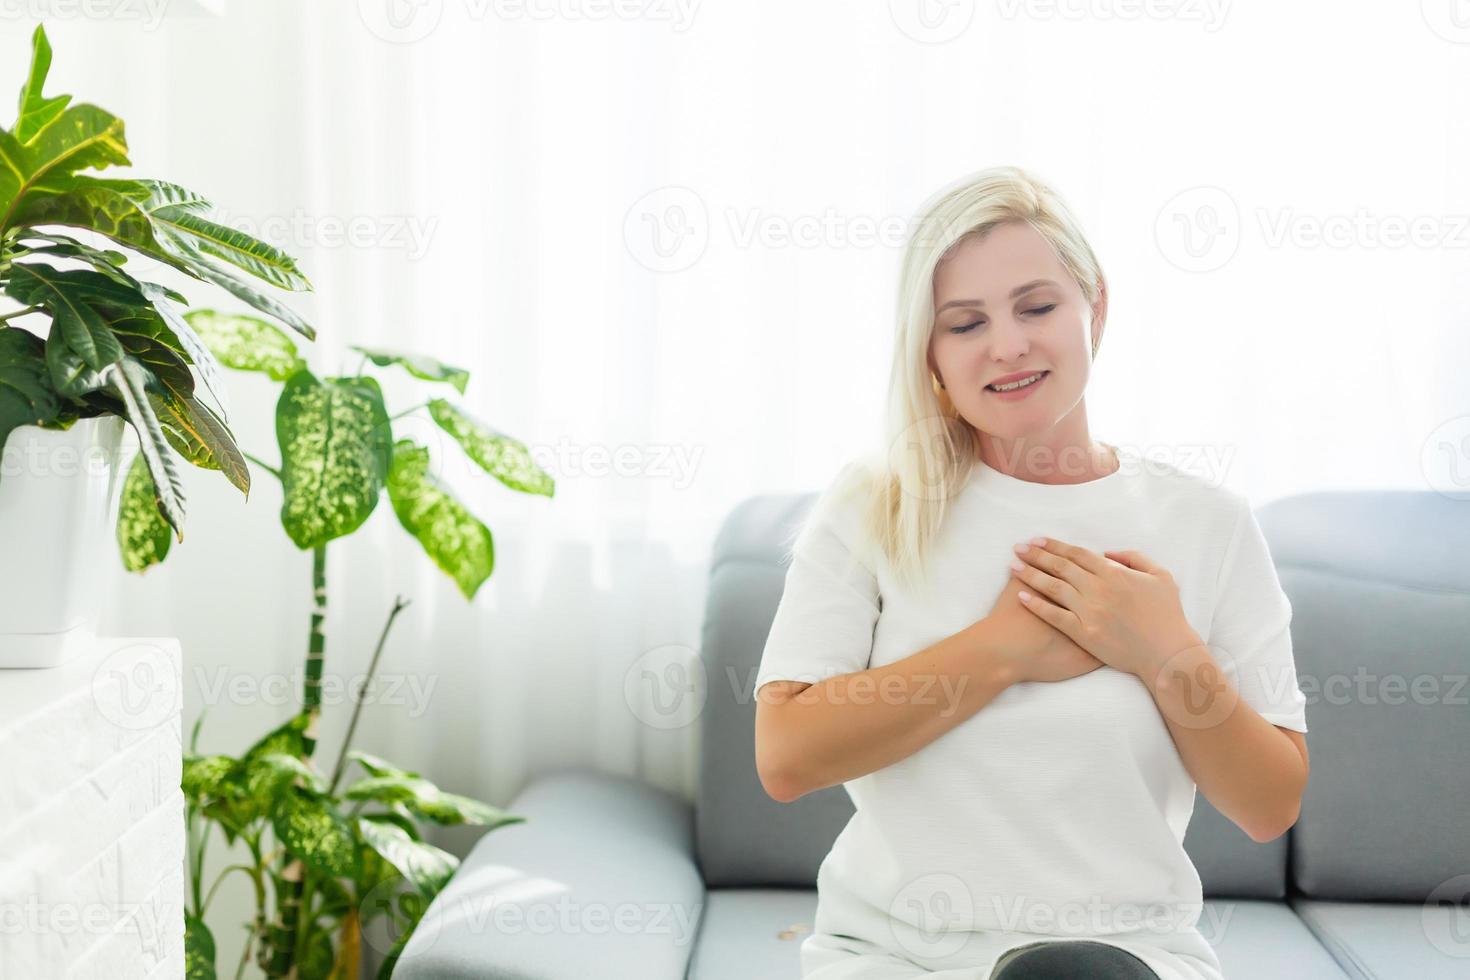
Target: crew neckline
{"x": 1103, "y": 491}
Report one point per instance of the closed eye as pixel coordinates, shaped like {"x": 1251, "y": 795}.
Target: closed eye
{"x": 1038, "y": 311}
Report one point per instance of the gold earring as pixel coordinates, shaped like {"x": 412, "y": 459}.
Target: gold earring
{"x": 934, "y": 380}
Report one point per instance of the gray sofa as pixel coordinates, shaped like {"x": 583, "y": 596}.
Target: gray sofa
{"x": 611, "y": 878}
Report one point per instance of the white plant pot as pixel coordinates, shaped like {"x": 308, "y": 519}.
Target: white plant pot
{"x": 58, "y": 545}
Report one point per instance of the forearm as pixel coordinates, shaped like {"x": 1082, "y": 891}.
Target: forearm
{"x": 1244, "y": 765}
{"x": 855, "y": 724}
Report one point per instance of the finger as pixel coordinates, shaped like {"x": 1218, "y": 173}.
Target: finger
{"x": 1048, "y": 612}
{"x": 1055, "y": 564}
{"x": 1083, "y": 558}
{"x": 1135, "y": 560}
{"x": 1057, "y": 590}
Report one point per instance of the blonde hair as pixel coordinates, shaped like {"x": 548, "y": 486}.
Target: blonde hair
{"x": 929, "y": 451}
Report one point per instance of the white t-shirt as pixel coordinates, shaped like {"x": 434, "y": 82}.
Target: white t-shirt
{"x": 1059, "y": 809}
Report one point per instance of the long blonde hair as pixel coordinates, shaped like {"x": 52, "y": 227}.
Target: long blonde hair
{"x": 929, "y": 450}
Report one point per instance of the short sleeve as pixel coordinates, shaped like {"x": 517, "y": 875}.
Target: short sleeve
{"x": 1252, "y": 626}
{"x": 824, "y": 621}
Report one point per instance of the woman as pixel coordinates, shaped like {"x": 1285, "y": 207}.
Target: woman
{"x": 1021, "y": 728}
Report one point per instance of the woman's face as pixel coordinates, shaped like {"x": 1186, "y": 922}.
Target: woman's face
{"x": 1005, "y": 305}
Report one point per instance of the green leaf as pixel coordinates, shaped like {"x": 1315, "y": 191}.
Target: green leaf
{"x": 239, "y": 249}
{"x": 417, "y": 365}
{"x": 128, "y": 378}
{"x": 143, "y": 536}
{"x": 27, "y": 396}
{"x": 316, "y": 964}
{"x": 246, "y": 343}
{"x": 208, "y": 367}
{"x": 36, "y": 111}
{"x": 311, "y": 829}
{"x": 335, "y": 446}
{"x": 142, "y": 215}
{"x": 206, "y": 777}
{"x": 200, "y": 437}
{"x": 288, "y": 738}
{"x": 199, "y": 950}
{"x": 425, "y": 866}
{"x": 496, "y": 453}
{"x": 266, "y": 776}
{"x": 68, "y": 301}
{"x": 76, "y": 138}
{"x": 378, "y": 766}
{"x": 452, "y": 536}
{"x": 429, "y": 802}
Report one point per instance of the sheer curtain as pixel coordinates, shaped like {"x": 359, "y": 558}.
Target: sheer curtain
{"x": 665, "y": 245}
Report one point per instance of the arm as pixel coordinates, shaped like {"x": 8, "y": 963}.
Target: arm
{"x": 1254, "y": 772}
{"x": 811, "y": 736}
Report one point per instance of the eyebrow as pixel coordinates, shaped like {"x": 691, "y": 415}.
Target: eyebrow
{"x": 1024, "y": 287}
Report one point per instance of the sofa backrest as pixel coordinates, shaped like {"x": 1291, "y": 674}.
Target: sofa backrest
{"x": 746, "y": 838}
{"x": 1379, "y": 583}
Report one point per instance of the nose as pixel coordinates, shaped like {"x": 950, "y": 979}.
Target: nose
{"x": 1008, "y": 339}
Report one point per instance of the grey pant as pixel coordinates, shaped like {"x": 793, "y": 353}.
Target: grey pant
{"x": 1078, "y": 959}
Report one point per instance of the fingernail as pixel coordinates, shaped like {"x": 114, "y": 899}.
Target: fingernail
{"x": 1021, "y": 548}
{"x": 1019, "y": 566}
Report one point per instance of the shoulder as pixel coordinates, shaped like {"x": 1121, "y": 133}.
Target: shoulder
{"x": 1192, "y": 488}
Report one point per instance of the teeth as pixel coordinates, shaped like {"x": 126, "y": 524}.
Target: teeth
{"x": 1018, "y": 384}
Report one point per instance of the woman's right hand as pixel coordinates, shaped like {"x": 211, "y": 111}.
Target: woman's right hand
{"x": 1037, "y": 650}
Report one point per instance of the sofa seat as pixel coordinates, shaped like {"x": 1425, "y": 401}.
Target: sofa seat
{"x": 1391, "y": 940}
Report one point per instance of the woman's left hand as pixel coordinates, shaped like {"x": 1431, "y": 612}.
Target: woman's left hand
{"x": 1121, "y": 606}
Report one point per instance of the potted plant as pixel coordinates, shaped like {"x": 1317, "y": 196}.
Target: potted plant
{"x": 325, "y": 855}
{"x": 88, "y": 347}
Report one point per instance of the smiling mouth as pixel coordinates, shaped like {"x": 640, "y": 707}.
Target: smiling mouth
{"x": 1040, "y": 376}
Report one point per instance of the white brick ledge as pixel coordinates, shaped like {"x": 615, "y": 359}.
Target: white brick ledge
{"x": 91, "y": 815}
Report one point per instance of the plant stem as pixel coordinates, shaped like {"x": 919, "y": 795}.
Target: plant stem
{"x": 406, "y": 411}
{"x": 262, "y": 464}
{"x": 212, "y": 888}
{"x": 399, "y": 604}
{"x": 311, "y": 685}
{"x": 27, "y": 310}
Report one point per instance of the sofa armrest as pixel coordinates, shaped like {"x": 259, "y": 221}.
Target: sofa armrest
{"x": 600, "y": 881}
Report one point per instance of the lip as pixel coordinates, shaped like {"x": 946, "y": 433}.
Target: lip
{"x": 1019, "y": 393}
{"x": 1006, "y": 379}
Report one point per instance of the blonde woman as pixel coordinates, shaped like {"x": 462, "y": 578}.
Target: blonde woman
{"x": 1019, "y": 648}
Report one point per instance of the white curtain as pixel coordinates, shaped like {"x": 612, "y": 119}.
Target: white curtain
{"x": 664, "y": 240}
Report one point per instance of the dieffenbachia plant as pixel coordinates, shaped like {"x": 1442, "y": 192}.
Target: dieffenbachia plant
{"x": 329, "y": 867}
{"x": 89, "y": 338}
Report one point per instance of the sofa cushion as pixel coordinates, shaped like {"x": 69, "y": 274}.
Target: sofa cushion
{"x": 745, "y": 838}
{"x": 1379, "y": 584}
{"x": 753, "y": 932}
{"x": 1259, "y": 940}
{"x": 1392, "y": 941}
